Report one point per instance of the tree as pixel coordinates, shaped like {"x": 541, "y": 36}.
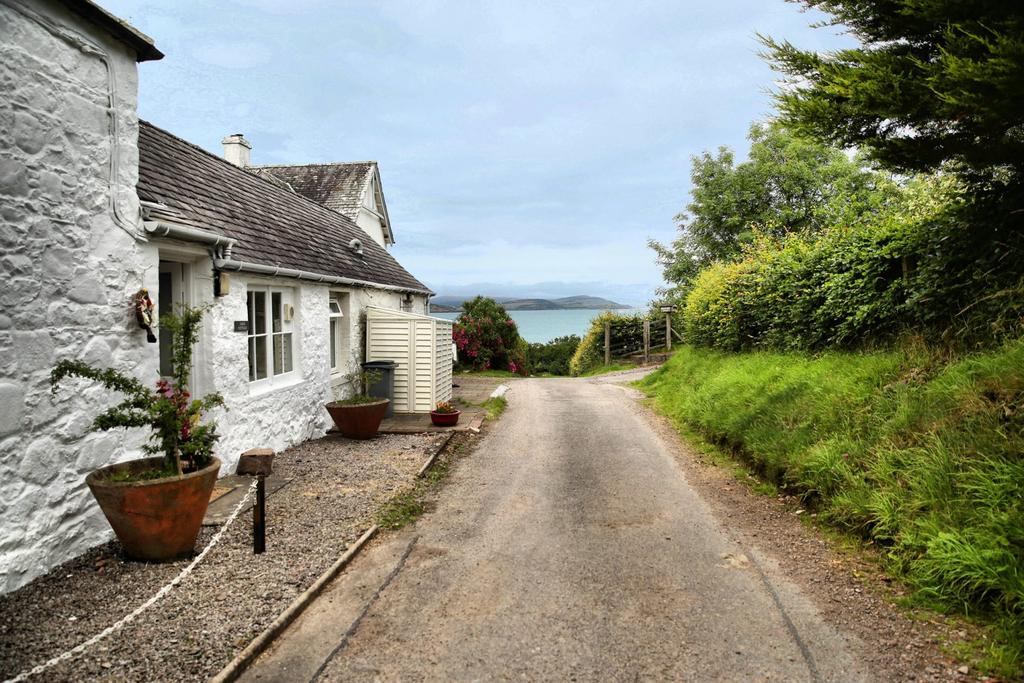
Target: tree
{"x": 788, "y": 184}
{"x": 935, "y": 84}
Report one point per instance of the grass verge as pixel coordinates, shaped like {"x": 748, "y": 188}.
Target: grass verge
{"x": 407, "y": 506}
{"x": 495, "y": 406}
{"x": 921, "y": 455}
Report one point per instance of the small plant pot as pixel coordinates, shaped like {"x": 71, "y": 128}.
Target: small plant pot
{"x": 155, "y": 520}
{"x": 360, "y": 420}
{"x": 444, "y": 419}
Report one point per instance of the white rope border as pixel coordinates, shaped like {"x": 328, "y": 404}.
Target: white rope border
{"x": 79, "y": 649}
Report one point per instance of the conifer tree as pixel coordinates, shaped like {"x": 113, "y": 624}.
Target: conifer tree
{"x": 934, "y": 85}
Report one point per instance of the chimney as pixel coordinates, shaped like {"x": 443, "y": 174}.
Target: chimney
{"x": 236, "y": 149}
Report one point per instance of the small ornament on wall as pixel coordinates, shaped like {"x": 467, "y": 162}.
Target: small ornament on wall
{"x": 145, "y": 313}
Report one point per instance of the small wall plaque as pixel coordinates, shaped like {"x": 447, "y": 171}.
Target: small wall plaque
{"x": 241, "y": 326}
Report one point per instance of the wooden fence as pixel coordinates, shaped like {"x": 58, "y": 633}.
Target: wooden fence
{"x": 637, "y": 338}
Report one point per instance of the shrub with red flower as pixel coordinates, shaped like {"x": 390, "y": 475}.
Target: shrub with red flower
{"x": 175, "y": 418}
{"x": 486, "y": 337}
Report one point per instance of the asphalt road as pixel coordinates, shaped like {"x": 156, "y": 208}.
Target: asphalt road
{"x": 568, "y": 547}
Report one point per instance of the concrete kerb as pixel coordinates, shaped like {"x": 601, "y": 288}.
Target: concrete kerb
{"x": 433, "y": 457}
{"x": 246, "y": 657}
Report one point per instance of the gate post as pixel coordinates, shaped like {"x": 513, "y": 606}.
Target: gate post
{"x": 668, "y": 331}
{"x": 647, "y": 341}
{"x": 607, "y": 343}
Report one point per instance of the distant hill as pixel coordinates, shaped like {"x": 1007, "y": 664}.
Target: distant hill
{"x": 447, "y": 304}
{"x": 592, "y": 302}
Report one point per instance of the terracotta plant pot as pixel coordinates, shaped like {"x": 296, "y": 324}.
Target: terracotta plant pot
{"x": 156, "y": 519}
{"x": 360, "y": 420}
{"x": 444, "y": 419}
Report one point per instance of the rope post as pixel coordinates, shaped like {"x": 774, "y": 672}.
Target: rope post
{"x": 258, "y": 463}
{"x": 259, "y": 517}
{"x": 607, "y": 343}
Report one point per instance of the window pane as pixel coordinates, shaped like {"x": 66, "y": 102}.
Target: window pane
{"x": 282, "y": 353}
{"x": 275, "y": 311}
{"x": 164, "y": 298}
{"x": 260, "y": 352}
{"x": 335, "y": 307}
{"x": 259, "y": 313}
{"x": 252, "y": 359}
{"x": 334, "y": 344}
{"x": 277, "y": 354}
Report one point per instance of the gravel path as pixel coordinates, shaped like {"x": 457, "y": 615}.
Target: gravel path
{"x": 336, "y": 486}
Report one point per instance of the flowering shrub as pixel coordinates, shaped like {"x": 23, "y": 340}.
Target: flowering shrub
{"x": 170, "y": 411}
{"x": 487, "y": 338}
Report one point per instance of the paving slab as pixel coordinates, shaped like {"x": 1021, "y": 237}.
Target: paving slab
{"x": 468, "y": 394}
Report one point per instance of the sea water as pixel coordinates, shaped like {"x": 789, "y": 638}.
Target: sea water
{"x": 543, "y": 326}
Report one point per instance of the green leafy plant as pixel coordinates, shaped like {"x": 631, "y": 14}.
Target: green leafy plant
{"x": 179, "y": 435}
{"x": 553, "y": 357}
{"x": 927, "y": 269}
{"x": 360, "y": 381}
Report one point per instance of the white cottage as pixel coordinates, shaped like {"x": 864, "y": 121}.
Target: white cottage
{"x": 95, "y": 205}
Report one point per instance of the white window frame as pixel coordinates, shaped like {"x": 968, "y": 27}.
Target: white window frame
{"x": 276, "y": 369}
{"x": 336, "y": 330}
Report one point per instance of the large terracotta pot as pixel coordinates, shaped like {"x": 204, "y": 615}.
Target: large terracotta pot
{"x": 157, "y": 519}
{"x": 360, "y": 420}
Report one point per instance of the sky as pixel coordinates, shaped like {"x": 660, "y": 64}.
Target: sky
{"x": 525, "y": 148}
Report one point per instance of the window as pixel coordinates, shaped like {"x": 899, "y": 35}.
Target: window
{"x": 337, "y": 317}
{"x": 271, "y": 315}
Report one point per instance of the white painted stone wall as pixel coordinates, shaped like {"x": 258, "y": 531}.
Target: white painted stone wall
{"x": 68, "y": 267}
{"x": 71, "y": 257}
{"x": 278, "y": 416}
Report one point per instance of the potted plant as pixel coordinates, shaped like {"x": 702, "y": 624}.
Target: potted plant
{"x": 156, "y": 505}
{"x": 359, "y": 416}
{"x": 445, "y": 414}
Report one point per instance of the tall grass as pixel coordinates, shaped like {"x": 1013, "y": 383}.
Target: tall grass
{"x": 922, "y": 455}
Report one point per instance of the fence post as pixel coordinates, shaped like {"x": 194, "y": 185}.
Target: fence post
{"x": 607, "y": 343}
{"x": 647, "y": 341}
{"x": 668, "y": 331}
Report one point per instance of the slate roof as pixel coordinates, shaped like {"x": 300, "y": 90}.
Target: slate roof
{"x": 272, "y": 226}
{"x": 340, "y": 187}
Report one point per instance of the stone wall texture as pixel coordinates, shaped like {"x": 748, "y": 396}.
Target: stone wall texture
{"x": 69, "y": 267}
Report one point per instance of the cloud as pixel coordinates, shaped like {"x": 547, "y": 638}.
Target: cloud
{"x": 233, "y": 54}
{"x": 523, "y": 141}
